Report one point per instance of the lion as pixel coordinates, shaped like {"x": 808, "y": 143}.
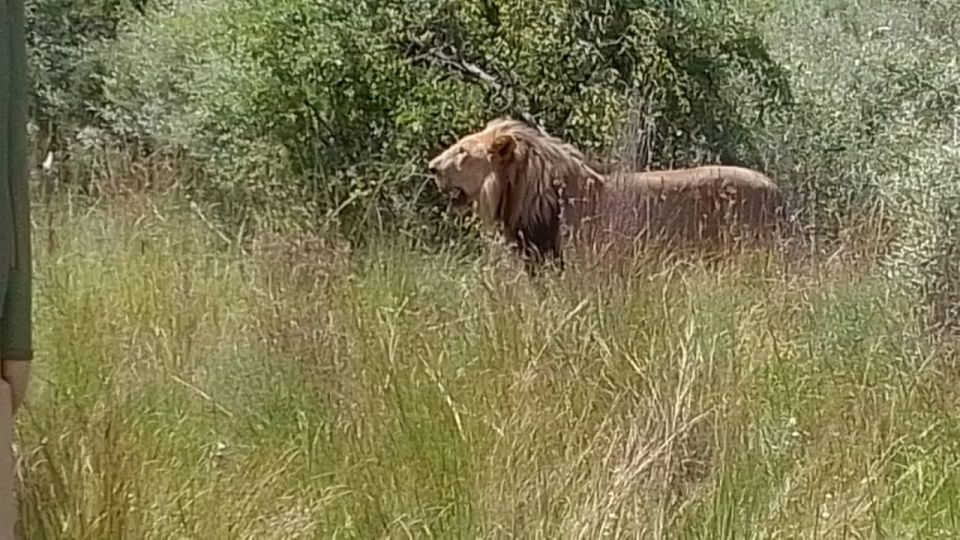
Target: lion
{"x": 539, "y": 191}
{"x": 521, "y": 183}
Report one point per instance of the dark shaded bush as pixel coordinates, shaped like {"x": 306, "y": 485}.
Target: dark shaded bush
{"x": 62, "y": 40}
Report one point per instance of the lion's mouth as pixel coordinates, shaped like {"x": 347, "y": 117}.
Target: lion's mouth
{"x": 457, "y": 197}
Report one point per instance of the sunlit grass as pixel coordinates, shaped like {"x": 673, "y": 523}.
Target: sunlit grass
{"x": 184, "y": 389}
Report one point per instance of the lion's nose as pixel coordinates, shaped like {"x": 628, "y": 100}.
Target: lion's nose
{"x": 434, "y": 165}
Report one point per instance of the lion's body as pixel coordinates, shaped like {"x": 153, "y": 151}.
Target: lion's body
{"x": 539, "y": 191}
{"x": 707, "y": 205}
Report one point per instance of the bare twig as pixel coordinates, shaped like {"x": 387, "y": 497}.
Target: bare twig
{"x": 455, "y": 63}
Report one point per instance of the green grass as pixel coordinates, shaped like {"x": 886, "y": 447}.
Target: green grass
{"x": 183, "y": 389}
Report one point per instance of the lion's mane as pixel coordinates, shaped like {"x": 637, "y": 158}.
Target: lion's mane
{"x": 543, "y": 186}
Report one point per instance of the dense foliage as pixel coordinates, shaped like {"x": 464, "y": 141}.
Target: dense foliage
{"x": 63, "y": 37}
{"x": 316, "y": 109}
{"x": 340, "y": 102}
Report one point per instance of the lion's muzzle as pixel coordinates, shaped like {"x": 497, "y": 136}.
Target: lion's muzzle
{"x": 455, "y": 196}
{"x": 458, "y": 197}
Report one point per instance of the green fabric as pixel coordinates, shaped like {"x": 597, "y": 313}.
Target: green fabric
{"x": 15, "y": 250}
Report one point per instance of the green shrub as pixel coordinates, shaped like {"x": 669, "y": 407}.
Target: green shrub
{"x": 340, "y": 103}
{"x": 62, "y": 38}
{"x": 878, "y": 88}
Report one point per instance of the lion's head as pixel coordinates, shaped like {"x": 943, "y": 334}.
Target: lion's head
{"x": 474, "y": 162}
{"x": 518, "y": 177}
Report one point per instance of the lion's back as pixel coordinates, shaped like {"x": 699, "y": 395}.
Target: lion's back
{"x": 700, "y": 203}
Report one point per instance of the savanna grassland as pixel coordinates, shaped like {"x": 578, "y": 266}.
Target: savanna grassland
{"x": 208, "y": 366}
{"x": 188, "y": 390}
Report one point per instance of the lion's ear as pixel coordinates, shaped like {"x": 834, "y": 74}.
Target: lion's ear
{"x": 502, "y": 147}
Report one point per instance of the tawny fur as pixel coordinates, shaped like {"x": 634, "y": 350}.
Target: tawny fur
{"x": 540, "y": 192}
{"x": 707, "y": 205}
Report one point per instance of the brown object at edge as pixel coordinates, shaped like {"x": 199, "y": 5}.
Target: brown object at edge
{"x": 8, "y": 507}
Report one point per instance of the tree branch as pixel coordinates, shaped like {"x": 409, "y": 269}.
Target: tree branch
{"x": 455, "y": 64}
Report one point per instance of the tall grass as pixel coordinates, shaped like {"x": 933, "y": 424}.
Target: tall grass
{"x": 186, "y": 389}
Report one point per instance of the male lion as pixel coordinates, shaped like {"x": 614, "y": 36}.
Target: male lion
{"x": 520, "y": 180}
{"x": 538, "y": 190}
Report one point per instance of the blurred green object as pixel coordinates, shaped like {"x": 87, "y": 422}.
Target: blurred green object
{"x": 16, "y": 341}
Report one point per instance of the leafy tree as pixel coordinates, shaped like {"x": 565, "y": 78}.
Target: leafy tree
{"x": 339, "y": 103}
{"x": 62, "y": 39}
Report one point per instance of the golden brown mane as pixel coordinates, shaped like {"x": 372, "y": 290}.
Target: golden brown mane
{"x": 544, "y": 185}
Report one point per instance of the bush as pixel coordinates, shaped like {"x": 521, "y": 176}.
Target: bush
{"x": 879, "y": 94}
{"x": 62, "y": 39}
{"x": 340, "y": 103}
{"x": 305, "y": 110}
